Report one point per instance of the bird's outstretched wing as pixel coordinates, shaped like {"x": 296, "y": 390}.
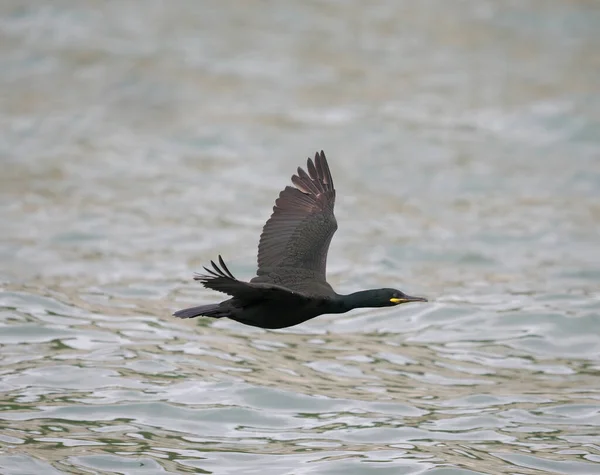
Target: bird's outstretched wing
{"x": 222, "y": 280}
{"x": 298, "y": 233}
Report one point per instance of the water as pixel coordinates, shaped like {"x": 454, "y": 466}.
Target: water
{"x": 139, "y": 142}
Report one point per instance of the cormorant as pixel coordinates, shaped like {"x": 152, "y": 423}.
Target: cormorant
{"x": 290, "y": 286}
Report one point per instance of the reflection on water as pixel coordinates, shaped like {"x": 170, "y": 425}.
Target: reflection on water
{"x": 137, "y": 144}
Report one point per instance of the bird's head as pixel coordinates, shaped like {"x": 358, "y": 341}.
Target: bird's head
{"x": 391, "y": 297}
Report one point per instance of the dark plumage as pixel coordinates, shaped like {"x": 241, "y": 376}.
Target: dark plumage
{"x": 290, "y": 286}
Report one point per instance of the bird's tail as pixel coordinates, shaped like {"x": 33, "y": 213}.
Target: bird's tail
{"x": 213, "y": 310}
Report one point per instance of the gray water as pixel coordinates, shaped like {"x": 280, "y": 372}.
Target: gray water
{"x": 138, "y": 140}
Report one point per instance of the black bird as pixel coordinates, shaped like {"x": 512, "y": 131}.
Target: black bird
{"x": 290, "y": 286}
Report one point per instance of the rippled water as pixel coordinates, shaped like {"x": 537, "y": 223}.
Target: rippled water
{"x": 139, "y": 140}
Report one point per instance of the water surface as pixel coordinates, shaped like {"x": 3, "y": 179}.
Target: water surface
{"x": 138, "y": 142}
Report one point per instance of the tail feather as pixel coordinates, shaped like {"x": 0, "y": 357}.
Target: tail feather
{"x": 212, "y": 310}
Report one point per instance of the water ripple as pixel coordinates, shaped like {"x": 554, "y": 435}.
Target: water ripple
{"x": 137, "y": 147}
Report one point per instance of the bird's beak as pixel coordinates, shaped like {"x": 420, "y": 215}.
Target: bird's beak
{"x": 406, "y": 299}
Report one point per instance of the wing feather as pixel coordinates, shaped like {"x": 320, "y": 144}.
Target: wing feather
{"x": 222, "y": 280}
{"x": 299, "y": 231}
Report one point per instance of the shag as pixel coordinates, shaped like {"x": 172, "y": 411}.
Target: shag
{"x": 290, "y": 286}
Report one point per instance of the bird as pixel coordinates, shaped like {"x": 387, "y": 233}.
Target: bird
{"x": 290, "y": 286}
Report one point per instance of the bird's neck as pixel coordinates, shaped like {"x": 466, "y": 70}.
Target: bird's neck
{"x": 361, "y": 299}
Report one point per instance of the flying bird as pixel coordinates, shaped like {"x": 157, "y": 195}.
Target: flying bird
{"x": 290, "y": 286}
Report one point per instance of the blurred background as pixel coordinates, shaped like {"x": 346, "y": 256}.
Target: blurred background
{"x": 138, "y": 140}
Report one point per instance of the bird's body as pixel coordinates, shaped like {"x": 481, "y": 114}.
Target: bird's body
{"x": 290, "y": 286}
